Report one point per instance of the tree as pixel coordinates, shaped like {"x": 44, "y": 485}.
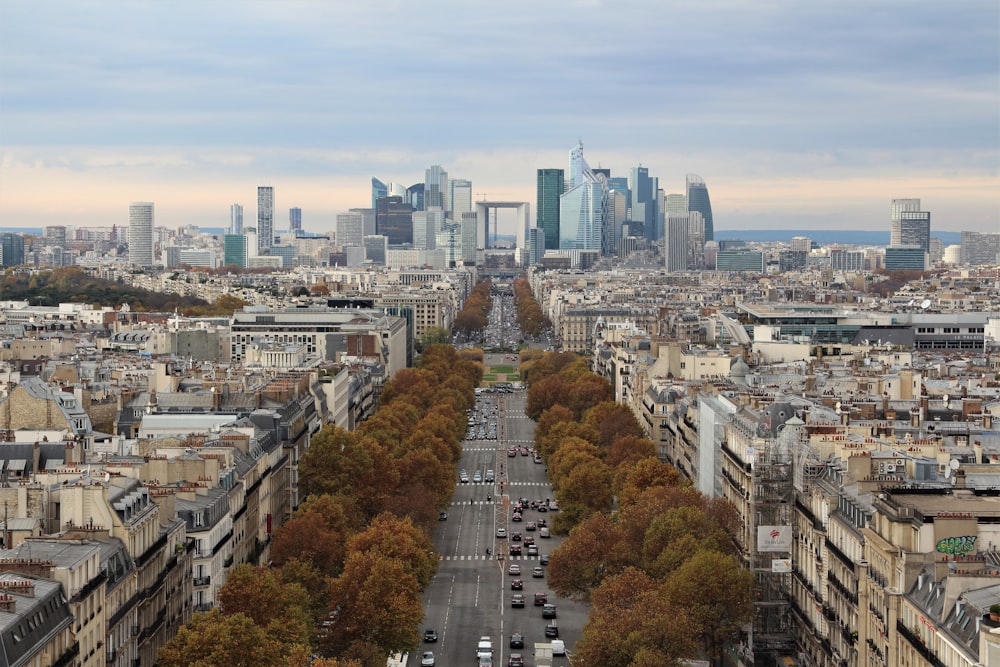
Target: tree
{"x": 433, "y": 336}
{"x": 316, "y": 533}
{"x": 612, "y": 420}
{"x": 717, "y": 595}
{"x": 375, "y": 608}
{"x": 213, "y": 639}
{"x": 595, "y": 550}
{"x": 282, "y": 610}
{"x": 342, "y": 462}
{"x": 392, "y": 537}
{"x": 628, "y": 450}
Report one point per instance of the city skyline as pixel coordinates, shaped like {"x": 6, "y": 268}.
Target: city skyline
{"x": 797, "y": 117}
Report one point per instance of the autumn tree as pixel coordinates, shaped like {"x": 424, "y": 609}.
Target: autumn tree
{"x": 317, "y": 533}
{"x": 393, "y": 537}
{"x": 214, "y": 639}
{"x": 596, "y": 549}
{"x": 611, "y": 420}
{"x": 282, "y": 610}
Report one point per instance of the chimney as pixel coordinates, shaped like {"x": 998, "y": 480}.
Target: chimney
{"x": 915, "y": 417}
{"x": 7, "y": 603}
{"x": 987, "y": 420}
{"x": 959, "y": 479}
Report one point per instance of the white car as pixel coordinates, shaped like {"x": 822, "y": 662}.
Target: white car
{"x": 427, "y": 659}
{"x": 501, "y": 533}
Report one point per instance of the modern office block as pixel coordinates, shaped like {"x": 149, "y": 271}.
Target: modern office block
{"x": 236, "y": 219}
{"x": 436, "y": 187}
{"x": 675, "y": 249}
{"x": 583, "y": 208}
{"x": 376, "y": 249}
{"x": 11, "y": 249}
{"x": 978, "y": 248}
{"x": 394, "y": 220}
{"x": 905, "y": 258}
{"x": 140, "y": 234}
{"x": 460, "y": 197}
{"x": 350, "y": 228}
{"x": 551, "y": 185}
{"x": 739, "y": 260}
{"x": 379, "y": 189}
{"x": 295, "y": 219}
{"x": 234, "y": 250}
{"x": 698, "y": 200}
{"x": 265, "y": 218}
{"x": 644, "y": 203}
{"x": 896, "y": 210}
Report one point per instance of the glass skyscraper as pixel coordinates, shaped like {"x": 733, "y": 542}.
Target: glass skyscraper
{"x": 697, "y": 194}
{"x": 551, "y": 184}
{"x": 436, "y": 187}
{"x": 379, "y": 189}
{"x": 644, "y": 202}
{"x": 140, "y": 234}
{"x": 295, "y": 219}
{"x": 236, "y": 219}
{"x": 265, "y": 218}
{"x": 583, "y": 208}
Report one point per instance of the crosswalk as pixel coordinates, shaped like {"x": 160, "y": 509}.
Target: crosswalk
{"x": 482, "y": 557}
{"x": 491, "y": 484}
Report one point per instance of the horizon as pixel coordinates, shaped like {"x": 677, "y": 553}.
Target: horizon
{"x": 797, "y": 116}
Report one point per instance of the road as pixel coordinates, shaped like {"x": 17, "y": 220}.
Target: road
{"x": 470, "y": 595}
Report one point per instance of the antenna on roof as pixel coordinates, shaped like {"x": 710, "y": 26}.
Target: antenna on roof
{"x": 925, "y": 304}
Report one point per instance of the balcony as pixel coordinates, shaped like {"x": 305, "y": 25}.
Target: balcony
{"x": 202, "y": 581}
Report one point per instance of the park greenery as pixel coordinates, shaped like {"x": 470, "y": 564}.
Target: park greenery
{"x": 654, "y": 557}
{"x": 348, "y": 569}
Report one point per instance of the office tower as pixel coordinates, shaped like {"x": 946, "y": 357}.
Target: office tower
{"x": 551, "y": 186}
{"x": 415, "y": 196}
{"x": 140, "y": 234}
{"x": 617, "y": 215}
{"x": 914, "y": 229}
{"x": 896, "y": 210}
{"x": 295, "y": 220}
{"x": 696, "y": 239}
{"x": 644, "y": 200}
{"x": 583, "y": 208}
{"x": 436, "y": 187}
{"x": 394, "y": 220}
{"x": 236, "y": 219}
{"x": 470, "y": 237}
{"x": 265, "y": 217}
{"x": 536, "y": 245}
{"x": 675, "y": 250}
{"x": 55, "y": 236}
{"x": 978, "y": 248}
{"x": 351, "y": 228}
{"x": 676, "y": 204}
{"x": 426, "y": 225}
{"x": 460, "y": 197}
{"x": 11, "y": 249}
{"x": 905, "y": 258}
{"x": 234, "y": 250}
{"x": 698, "y": 200}
{"x": 801, "y": 244}
{"x": 376, "y": 249}
{"x": 379, "y": 189}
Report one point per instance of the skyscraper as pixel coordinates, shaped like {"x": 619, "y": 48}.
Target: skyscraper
{"x": 896, "y": 210}
{"x": 265, "y": 218}
{"x": 140, "y": 234}
{"x": 236, "y": 219}
{"x": 295, "y": 220}
{"x": 550, "y": 187}
{"x": 698, "y": 200}
{"x": 644, "y": 202}
{"x": 379, "y": 189}
{"x": 436, "y": 187}
{"x": 415, "y": 196}
{"x": 908, "y": 225}
{"x": 234, "y": 250}
{"x": 460, "y": 197}
{"x": 675, "y": 249}
{"x": 11, "y": 249}
{"x": 350, "y": 228}
{"x": 394, "y": 220}
{"x": 583, "y": 208}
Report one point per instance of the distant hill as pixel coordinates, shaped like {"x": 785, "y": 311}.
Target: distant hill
{"x": 825, "y": 236}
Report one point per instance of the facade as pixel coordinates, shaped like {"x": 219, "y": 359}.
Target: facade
{"x": 583, "y": 208}
{"x": 470, "y": 237}
{"x": 896, "y": 210}
{"x": 847, "y": 260}
{"x": 460, "y": 197}
{"x": 376, "y": 248}
{"x": 55, "y": 236}
{"x": 551, "y": 186}
{"x": 295, "y": 219}
{"x": 379, "y": 189}
{"x": 350, "y": 229}
{"x": 11, "y": 249}
{"x": 265, "y": 218}
{"x": 236, "y": 219}
{"x": 436, "y": 187}
{"x": 140, "y": 234}
{"x": 698, "y": 200}
{"x": 394, "y": 220}
{"x": 415, "y": 196}
{"x": 739, "y": 260}
{"x": 426, "y": 225}
{"x": 978, "y": 249}
{"x": 905, "y": 258}
{"x": 644, "y": 207}
{"x": 675, "y": 250}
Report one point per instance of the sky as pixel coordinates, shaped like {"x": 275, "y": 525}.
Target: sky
{"x": 798, "y": 114}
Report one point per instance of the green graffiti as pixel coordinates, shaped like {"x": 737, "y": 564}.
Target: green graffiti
{"x": 958, "y": 546}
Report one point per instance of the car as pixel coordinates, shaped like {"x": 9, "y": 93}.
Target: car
{"x": 464, "y": 479}
{"x": 531, "y": 525}
{"x": 514, "y": 569}
{"x": 548, "y": 611}
{"x": 515, "y": 660}
{"x": 477, "y": 477}
{"x": 517, "y": 600}
{"x": 427, "y": 659}
{"x": 511, "y": 453}
{"x": 514, "y": 550}
{"x": 553, "y": 506}
{"x": 551, "y": 630}
{"x": 516, "y": 516}
{"x": 544, "y": 559}
{"x": 529, "y": 541}
{"x": 543, "y": 508}
{"x": 538, "y": 459}
{"x": 517, "y": 640}
{"x": 544, "y": 532}
{"x": 501, "y": 533}
{"x": 490, "y": 476}
{"x": 516, "y": 585}
{"x": 430, "y": 635}
{"x": 442, "y": 516}
{"x": 542, "y": 523}
{"x": 515, "y": 536}
{"x": 485, "y": 661}
{"x": 541, "y": 597}
{"x": 532, "y": 550}
{"x": 524, "y": 452}
{"x": 538, "y": 572}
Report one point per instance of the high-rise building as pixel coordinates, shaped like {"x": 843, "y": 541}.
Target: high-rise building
{"x": 426, "y": 225}
{"x": 644, "y": 201}
{"x": 905, "y": 258}
{"x": 265, "y": 217}
{"x": 234, "y": 250}
{"x": 55, "y": 236}
{"x": 978, "y": 248}
{"x": 415, "y": 196}
{"x": 236, "y": 219}
{"x": 896, "y": 210}
{"x": 551, "y": 186}
{"x": 914, "y": 229}
{"x": 436, "y": 187}
{"x": 801, "y": 244}
{"x": 11, "y": 249}
{"x": 295, "y": 220}
{"x": 675, "y": 249}
{"x": 583, "y": 208}
{"x": 351, "y": 228}
{"x": 460, "y": 197}
{"x": 379, "y": 189}
{"x": 376, "y": 249}
{"x": 394, "y": 220}
{"x": 140, "y": 234}
{"x": 698, "y": 200}
{"x": 470, "y": 237}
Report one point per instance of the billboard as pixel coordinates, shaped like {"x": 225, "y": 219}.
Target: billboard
{"x": 774, "y": 538}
